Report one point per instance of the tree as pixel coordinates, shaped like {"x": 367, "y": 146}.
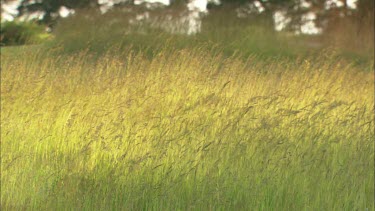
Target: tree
{"x": 296, "y": 10}
{"x": 51, "y": 7}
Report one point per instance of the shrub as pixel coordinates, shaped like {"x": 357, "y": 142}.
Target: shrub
{"x": 21, "y": 33}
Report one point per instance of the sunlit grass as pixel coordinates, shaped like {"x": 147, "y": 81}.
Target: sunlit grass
{"x": 185, "y": 131}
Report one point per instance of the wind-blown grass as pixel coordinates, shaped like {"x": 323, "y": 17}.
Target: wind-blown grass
{"x": 185, "y": 131}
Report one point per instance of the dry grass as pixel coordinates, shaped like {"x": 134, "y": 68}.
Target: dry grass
{"x": 185, "y": 131}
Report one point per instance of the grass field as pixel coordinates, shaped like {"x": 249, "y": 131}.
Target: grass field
{"x": 185, "y": 131}
{"x": 185, "y": 126}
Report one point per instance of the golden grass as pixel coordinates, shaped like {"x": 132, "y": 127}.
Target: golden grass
{"x": 185, "y": 130}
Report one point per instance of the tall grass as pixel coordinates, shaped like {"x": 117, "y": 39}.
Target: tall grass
{"x": 185, "y": 130}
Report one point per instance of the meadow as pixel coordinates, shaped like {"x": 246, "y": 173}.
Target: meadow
{"x": 189, "y": 128}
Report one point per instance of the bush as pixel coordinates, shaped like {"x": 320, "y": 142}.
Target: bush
{"x": 21, "y": 33}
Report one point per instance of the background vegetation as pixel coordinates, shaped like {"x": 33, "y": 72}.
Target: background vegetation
{"x": 21, "y": 33}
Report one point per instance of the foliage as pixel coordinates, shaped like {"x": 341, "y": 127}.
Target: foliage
{"x": 19, "y": 33}
{"x": 49, "y": 7}
{"x": 294, "y": 8}
{"x": 220, "y": 30}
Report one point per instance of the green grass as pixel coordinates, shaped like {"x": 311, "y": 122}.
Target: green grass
{"x": 186, "y": 129}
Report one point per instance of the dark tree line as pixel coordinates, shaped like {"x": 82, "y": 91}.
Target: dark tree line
{"x": 51, "y": 7}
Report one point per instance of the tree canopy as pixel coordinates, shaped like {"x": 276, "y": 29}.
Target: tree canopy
{"x": 296, "y": 10}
